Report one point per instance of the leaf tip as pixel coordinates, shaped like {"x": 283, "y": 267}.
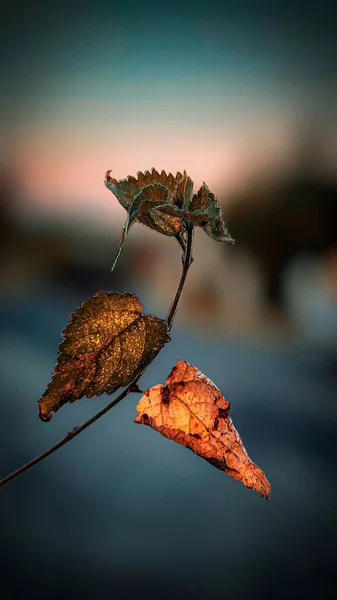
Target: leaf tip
{"x": 265, "y": 493}
{"x": 108, "y": 178}
{"x": 44, "y": 415}
{"x": 256, "y": 479}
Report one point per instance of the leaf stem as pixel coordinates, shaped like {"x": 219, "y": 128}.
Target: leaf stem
{"x": 187, "y": 261}
{"x": 132, "y": 387}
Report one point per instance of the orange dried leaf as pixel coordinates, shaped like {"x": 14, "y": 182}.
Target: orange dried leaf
{"x": 190, "y": 409}
{"x": 107, "y": 341}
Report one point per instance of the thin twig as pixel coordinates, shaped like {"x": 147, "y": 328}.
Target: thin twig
{"x": 130, "y": 388}
{"x": 71, "y": 434}
{"x": 187, "y": 261}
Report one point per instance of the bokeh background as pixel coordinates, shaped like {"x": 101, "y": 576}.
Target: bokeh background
{"x": 243, "y": 96}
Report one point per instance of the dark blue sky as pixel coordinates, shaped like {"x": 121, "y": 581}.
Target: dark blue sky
{"x": 292, "y": 43}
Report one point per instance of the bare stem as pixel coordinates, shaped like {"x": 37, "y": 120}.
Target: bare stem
{"x": 71, "y": 434}
{"x": 187, "y": 261}
{"x": 132, "y": 387}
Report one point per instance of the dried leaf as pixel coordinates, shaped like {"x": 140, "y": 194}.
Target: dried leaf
{"x": 165, "y": 203}
{"x": 107, "y": 341}
{"x": 127, "y": 189}
{"x": 147, "y": 199}
{"x": 205, "y": 204}
{"x": 191, "y": 410}
{"x": 144, "y": 208}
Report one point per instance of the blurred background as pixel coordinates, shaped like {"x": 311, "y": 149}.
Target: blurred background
{"x": 242, "y": 96}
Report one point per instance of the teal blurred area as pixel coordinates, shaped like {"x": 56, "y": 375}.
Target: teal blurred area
{"x": 244, "y": 98}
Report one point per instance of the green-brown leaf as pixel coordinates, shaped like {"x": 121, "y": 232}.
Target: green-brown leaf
{"x": 107, "y": 342}
{"x": 204, "y": 206}
{"x": 166, "y": 203}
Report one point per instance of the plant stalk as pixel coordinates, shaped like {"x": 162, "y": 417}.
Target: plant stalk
{"x": 187, "y": 261}
{"x": 132, "y": 387}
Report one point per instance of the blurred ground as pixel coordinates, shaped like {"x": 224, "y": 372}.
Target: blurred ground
{"x": 122, "y": 512}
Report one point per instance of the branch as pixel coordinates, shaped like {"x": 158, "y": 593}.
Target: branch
{"x": 187, "y": 261}
{"x": 132, "y": 387}
{"x": 73, "y": 433}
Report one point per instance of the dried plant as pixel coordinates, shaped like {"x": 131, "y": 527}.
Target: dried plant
{"x": 109, "y": 342}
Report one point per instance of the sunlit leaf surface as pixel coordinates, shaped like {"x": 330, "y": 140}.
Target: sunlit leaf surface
{"x": 190, "y": 409}
{"x": 107, "y": 342}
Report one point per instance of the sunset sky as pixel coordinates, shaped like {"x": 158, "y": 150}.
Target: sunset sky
{"x": 218, "y": 89}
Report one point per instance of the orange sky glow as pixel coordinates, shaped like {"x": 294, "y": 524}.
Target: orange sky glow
{"x": 65, "y": 172}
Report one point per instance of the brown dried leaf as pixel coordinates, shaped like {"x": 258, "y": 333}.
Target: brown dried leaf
{"x": 150, "y": 199}
{"x": 205, "y": 205}
{"x": 144, "y": 208}
{"x": 191, "y": 410}
{"x": 127, "y": 189}
{"x": 165, "y": 203}
{"x": 107, "y": 341}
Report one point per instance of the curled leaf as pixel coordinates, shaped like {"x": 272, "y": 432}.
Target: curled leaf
{"x": 166, "y": 203}
{"x": 205, "y": 205}
{"x": 127, "y": 189}
{"x": 107, "y": 342}
{"x": 145, "y": 208}
{"x": 190, "y": 410}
